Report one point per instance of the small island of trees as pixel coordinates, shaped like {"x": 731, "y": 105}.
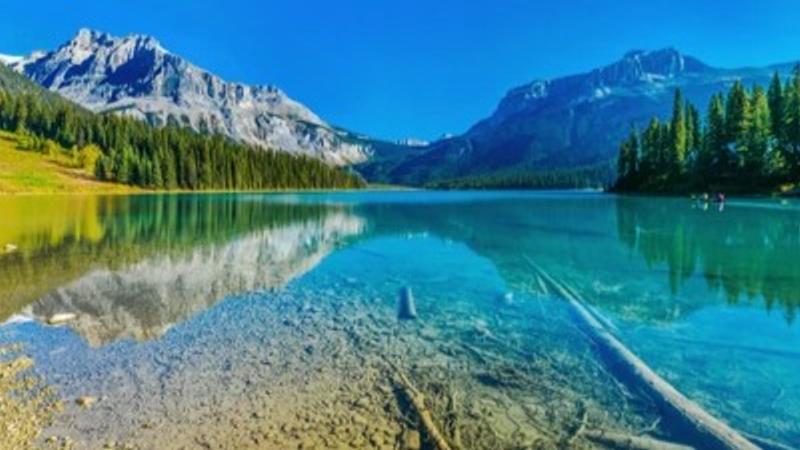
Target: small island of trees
{"x": 749, "y": 142}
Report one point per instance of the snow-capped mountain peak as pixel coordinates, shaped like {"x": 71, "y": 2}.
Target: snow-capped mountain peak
{"x": 137, "y": 76}
{"x": 9, "y": 60}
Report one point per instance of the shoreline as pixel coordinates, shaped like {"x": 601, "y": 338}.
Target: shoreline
{"x": 137, "y": 191}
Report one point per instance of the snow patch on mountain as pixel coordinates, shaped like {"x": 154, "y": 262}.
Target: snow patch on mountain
{"x": 8, "y": 59}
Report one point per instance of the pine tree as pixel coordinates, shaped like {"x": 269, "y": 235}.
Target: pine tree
{"x": 650, "y": 157}
{"x": 716, "y": 155}
{"x": 21, "y": 116}
{"x": 627, "y": 162}
{"x": 758, "y": 138}
{"x": 678, "y": 136}
{"x": 776, "y": 106}
{"x": 737, "y": 114}
{"x": 792, "y": 120}
{"x": 694, "y": 132}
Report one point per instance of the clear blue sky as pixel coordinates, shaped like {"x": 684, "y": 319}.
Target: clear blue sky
{"x": 414, "y": 68}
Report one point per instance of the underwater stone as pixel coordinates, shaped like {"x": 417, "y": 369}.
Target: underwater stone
{"x": 407, "y": 309}
{"x": 57, "y": 319}
{"x": 413, "y": 440}
{"x": 506, "y": 298}
{"x": 85, "y": 401}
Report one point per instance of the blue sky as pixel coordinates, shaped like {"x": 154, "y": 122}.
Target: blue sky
{"x": 415, "y": 68}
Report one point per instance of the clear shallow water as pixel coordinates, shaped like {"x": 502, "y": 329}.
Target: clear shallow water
{"x": 198, "y": 311}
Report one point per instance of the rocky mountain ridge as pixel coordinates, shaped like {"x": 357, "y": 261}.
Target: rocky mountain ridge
{"x": 136, "y": 76}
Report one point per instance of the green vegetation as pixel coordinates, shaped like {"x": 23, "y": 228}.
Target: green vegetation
{"x": 592, "y": 177}
{"x": 129, "y": 151}
{"x": 750, "y": 143}
{"x": 51, "y": 169}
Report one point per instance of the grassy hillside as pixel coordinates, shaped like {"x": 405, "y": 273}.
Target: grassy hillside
{"x": 26, "y": 171}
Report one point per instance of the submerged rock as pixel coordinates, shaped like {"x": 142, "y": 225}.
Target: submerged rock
{"x": 407, "y": 308}
{"x": 57, "y": 319}
{"x": 506, "y": 298}
{"x": 412, "y": 440}
{"x": 85, "y": 401}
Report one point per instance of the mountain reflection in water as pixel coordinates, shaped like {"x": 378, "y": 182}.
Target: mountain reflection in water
{"x": 133, "y": 266}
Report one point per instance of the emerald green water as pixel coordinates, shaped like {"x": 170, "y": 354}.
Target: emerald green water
{"x": 176, "y": 296}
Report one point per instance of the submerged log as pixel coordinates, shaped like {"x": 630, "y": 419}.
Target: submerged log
{"x": 707, "y": 430}
{"x": 407, "y": 309}
{"x": 623, "y": 441}
{"x": 417, "y": 400}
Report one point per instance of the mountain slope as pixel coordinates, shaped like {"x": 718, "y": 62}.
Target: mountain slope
{"x": 13, "y": 82}
{"x": 136, "y": 76}
{"x": 131, "y": 152}
{"x": 567, "y": 123}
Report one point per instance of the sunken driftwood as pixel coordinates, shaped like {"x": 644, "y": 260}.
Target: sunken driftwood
{"x": 406, "y": 308}
{"x": 417, "y": 400}
{"x": 623, "y": 441}
{"x": 710, "y": 431}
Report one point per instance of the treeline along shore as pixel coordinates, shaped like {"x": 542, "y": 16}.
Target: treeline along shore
{"x": 748, "y": 142}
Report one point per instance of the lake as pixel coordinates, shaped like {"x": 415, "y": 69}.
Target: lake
{"x": 280, "y": 320}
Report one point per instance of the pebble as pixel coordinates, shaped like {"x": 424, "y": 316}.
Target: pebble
{"x": 412, "y": 440}
{"x": 363, "y": 402}
{"x": 376, "y": 439}
{"x": 85, "y": 401}
{"x": 57, "y": 319}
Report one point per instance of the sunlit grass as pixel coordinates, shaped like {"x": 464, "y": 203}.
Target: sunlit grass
{"x": 32, "y": 172}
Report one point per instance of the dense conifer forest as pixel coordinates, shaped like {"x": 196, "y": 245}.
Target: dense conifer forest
{"x": 749, "y": 142}
{"x": 591, "y": 177}
{"x": 129, "y": 151}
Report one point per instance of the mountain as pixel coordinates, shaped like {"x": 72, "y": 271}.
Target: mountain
{"x": 570, "y": 123}
{"x": 134, "y": 153}
{"x": 136, "y": 76}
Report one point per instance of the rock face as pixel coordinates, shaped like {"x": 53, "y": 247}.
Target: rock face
{"x": 568, "y": 122}
{"x": 136, "y": 76}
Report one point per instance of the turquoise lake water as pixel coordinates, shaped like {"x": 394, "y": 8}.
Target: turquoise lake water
{"x": 193, "y": 310}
